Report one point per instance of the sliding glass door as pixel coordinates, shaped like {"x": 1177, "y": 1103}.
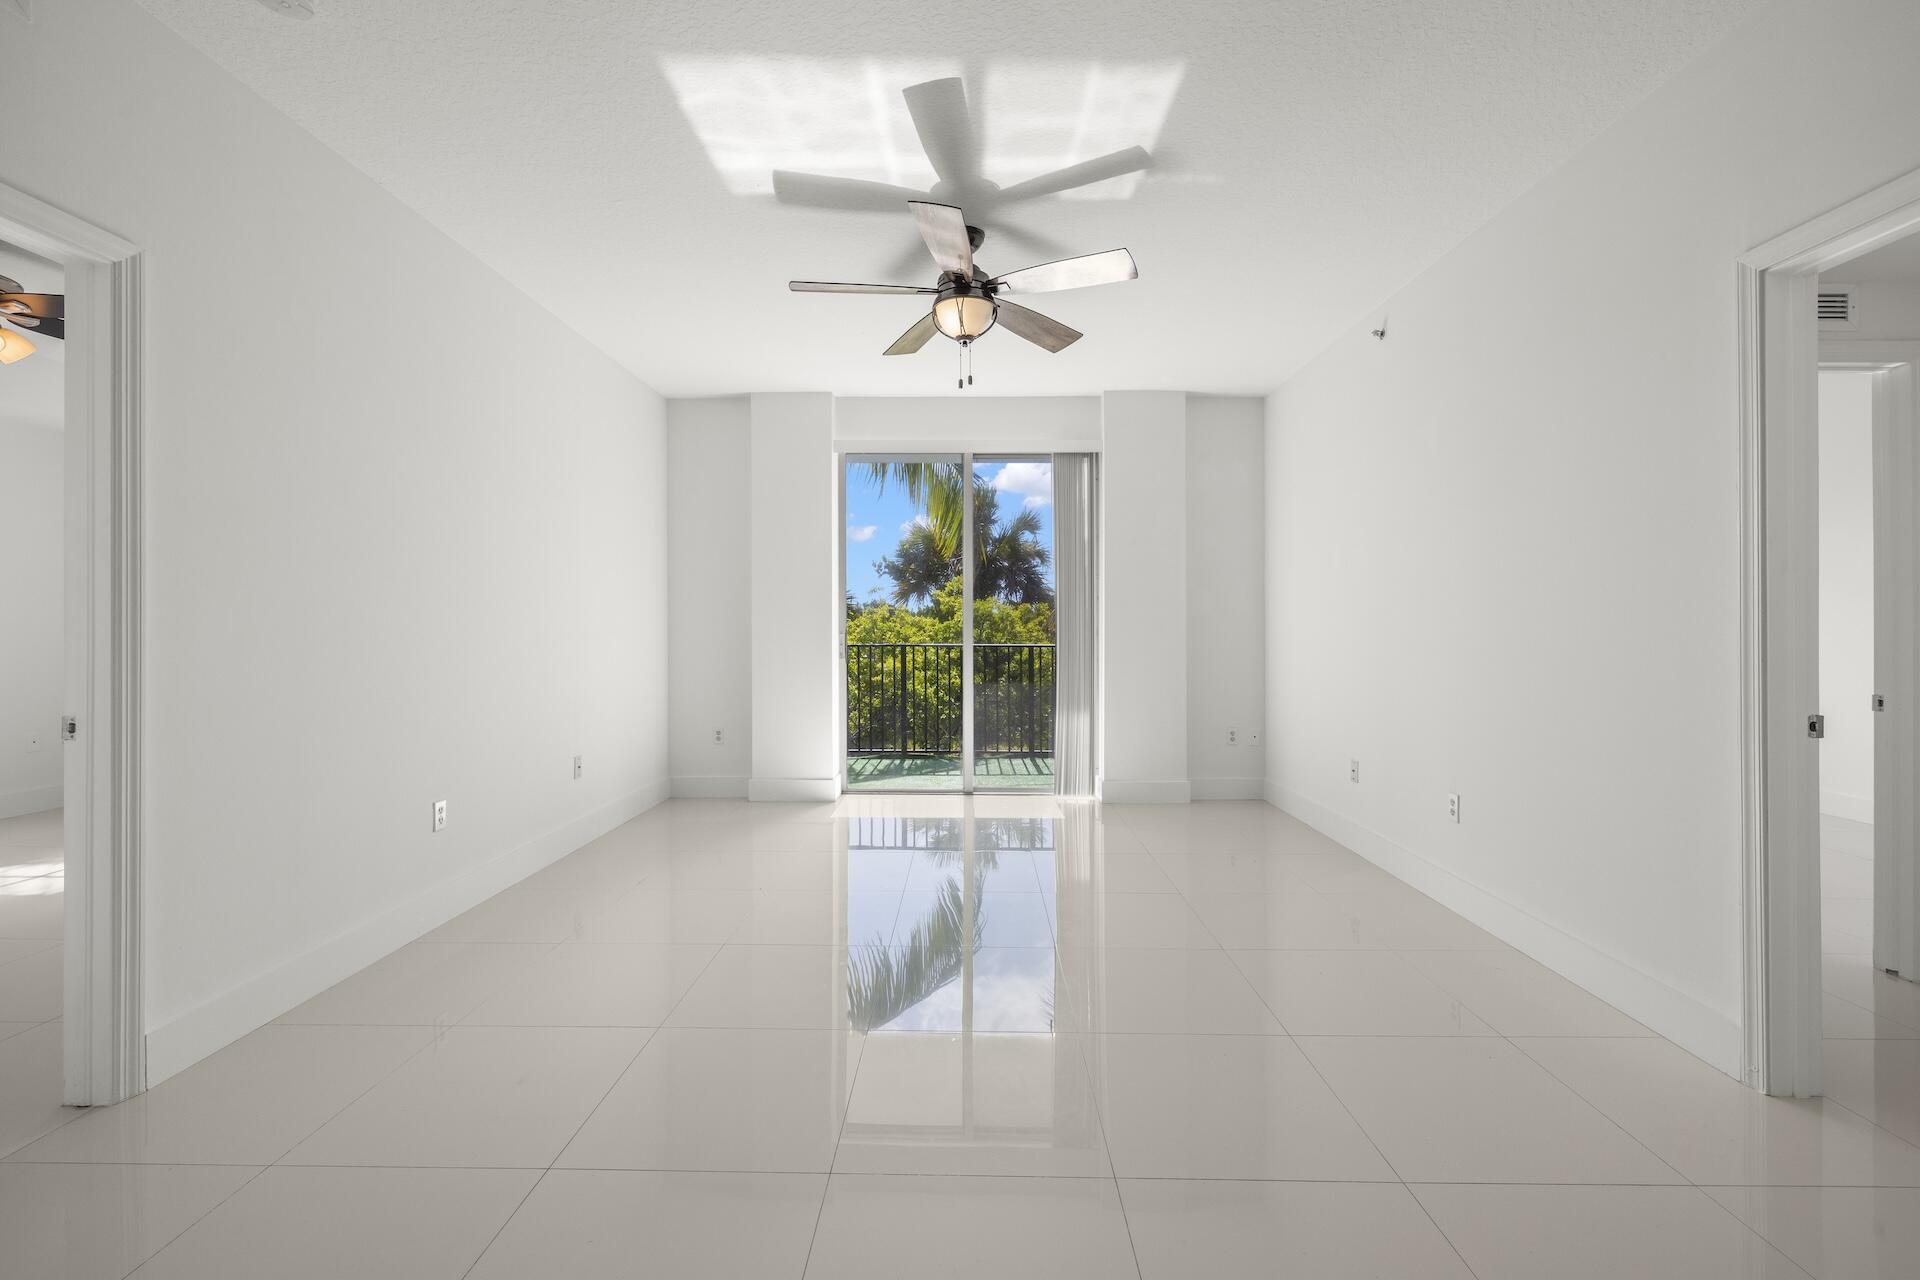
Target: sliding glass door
{"x": 1013, "y": 624}
{"x": 949, "y": 623}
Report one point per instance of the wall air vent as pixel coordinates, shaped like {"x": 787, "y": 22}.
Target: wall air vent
{"x": 1836, "y": 307}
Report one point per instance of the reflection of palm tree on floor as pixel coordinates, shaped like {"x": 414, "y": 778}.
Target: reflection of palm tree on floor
{"x": 884, "y": 982}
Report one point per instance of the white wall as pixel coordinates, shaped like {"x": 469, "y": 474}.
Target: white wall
{"x": 1846, "y": 594}
{"x": 1503, "y": 546}
{"x": 1226, "y": 596}
{"x": 1143, "y": 597}
{"x": 404, "y": 538}
{"x": 710, "y": 592}
{"x": 1883, "y": 310}
{"x": 984, "y": 424}
{"x": 31, "y": 639}
{"x": 797, "y": 734}
{"x": 759, "y": 575}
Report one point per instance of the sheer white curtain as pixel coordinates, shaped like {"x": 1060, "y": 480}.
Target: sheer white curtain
{"x": 1075, "y": 539}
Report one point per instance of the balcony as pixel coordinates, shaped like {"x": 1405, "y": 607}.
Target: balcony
{"x": 904, "y": 720}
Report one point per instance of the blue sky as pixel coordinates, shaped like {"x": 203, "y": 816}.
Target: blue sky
{"x": 875, "y": 522}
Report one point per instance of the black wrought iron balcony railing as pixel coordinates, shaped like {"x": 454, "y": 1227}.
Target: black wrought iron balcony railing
{"x": 905, "y": 699}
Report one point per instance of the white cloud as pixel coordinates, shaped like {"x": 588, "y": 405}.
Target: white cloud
{"x": 918, "y": 522}
{"x": 861, "y": 532}
{"x": 1032, "y": 480}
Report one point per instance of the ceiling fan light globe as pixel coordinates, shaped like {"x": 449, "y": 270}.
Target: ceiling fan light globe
{"x": 14, "y": 345}
{"x": 963, "y": 316}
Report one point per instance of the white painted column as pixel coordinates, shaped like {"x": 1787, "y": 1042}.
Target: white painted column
{"x": 1143, "y": 598}
{"x": 792, "y": 545}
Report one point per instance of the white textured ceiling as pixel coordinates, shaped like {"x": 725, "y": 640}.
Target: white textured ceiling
{"x": 1316, "y": 154}
{"x": 1895, "y": 263}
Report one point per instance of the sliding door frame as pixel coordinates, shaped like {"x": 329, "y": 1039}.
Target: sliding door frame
{"x": 967, "y": 571}
{"x": 966, "y": 459}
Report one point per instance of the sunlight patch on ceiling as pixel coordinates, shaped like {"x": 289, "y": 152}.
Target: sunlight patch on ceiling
{"x": 1042, "y": 116}
{"x": 845, "y": 117}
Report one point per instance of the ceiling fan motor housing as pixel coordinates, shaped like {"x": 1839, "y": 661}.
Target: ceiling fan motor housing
{"x": 964, "y": 309}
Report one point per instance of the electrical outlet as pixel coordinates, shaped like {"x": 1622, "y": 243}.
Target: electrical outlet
{"x": 719, "y": 737}
{"x": 1453, "y": 806}
{"x": 576, "y": 768}
{"x": 439, "y": 815}
{"x": 1233, "y": 737}
{"x": 1353, "y": 770}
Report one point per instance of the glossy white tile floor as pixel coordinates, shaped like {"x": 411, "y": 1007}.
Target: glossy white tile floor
{"x": 1000, "y": 1038}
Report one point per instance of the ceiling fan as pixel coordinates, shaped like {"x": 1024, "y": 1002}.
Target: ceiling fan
{"x": 38, "y": 313}
{"x": 946, "y": 131}
{"x": 967, "y": 302}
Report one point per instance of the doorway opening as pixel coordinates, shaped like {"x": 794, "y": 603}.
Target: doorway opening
{"x": 97, "y": 737}
{"x": 32, "y": 690}
{"x": 1831, "y": 662}
{"x": 951, "y": 641}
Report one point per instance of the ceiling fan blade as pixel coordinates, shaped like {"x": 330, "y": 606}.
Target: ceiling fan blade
{"x": 38, "y": 326}
{"x": 823, "y": 192}
{"x": 940, "y": 117}
{"x": 831, "y": 286}
{"x": 9, "y": 285}
{"x": 913, "y": 339}
{"x": 1110, "y": 267}
{"x": 1041, "y": 331}
{"x": 1087, "y": 172}
{"x": 944, "y": 228}
{"x": 35, "y": 304}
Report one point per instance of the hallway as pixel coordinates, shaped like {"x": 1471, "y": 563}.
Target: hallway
{"x": 1018, "y": 1036}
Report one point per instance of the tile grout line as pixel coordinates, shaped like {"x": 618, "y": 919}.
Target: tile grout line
{"x": 1113, "y": 1169}
{"x": 833, "y": 1158}
{"x": 211, "y": 1209}
{"x": 1689, "y": 1182}
{"x": 1335, "y": 1095}
{"x": 588, "y": 1118}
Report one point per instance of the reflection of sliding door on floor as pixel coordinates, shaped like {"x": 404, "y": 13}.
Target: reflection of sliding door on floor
{"x": 951, "y": 623}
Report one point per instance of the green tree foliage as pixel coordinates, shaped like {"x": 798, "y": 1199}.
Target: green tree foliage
{"x": 994, "y": 621}
{"x": 908, "y": 700}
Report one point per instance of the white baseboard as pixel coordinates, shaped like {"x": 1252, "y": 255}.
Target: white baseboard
{"x": 1145, "y": 790}
{"x": 15, "y": 804}
{"x": 1228, "y": 788}
{"x": 1703, "y": 1031}
{"x": 254, "y": 1003}
{"x": 719, "y": 786}
{"x": 1841, "y": 805}
{"x": 794, "y": 789}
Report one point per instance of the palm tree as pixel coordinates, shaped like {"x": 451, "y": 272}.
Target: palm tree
{"x": 934, "y": 487}
{"x": 919, "y": 566}
{"x": 1012, "y": 560}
